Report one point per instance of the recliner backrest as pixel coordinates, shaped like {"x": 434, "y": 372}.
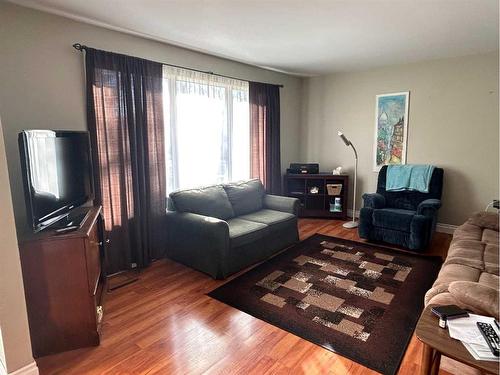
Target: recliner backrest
{"x": 409, "y": 200}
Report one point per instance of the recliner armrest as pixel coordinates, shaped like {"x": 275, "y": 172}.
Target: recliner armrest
{"x": 283, "y": 204}
{"x": 428, "y": 207}
{"x": 374, "y": 200}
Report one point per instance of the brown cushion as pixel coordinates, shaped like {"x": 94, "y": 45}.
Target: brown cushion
{"x": 467, "y": 231}
{"x": 469, "y": 249}
{"x": 478, "y": 298}
{"x": 491, "y": 259}
{"x": 490, "y": 236}
{"x": 489, "y": 279}
{"x": 454, "y": 272}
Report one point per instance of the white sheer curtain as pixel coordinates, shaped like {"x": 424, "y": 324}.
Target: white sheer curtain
{"x": 207, "y": 137}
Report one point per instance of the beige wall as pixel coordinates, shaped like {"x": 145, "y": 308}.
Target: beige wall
{"x": 453, "y": 119}
{"x": 453, "y": 123}
{"x": 15, "y": 339}
{"x": 42, "y": 82}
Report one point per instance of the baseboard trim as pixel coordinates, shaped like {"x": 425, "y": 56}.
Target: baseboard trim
{"x": 31, "y": 369}
{"x": 440, "y": 227}
{"x": 446, "y": 228}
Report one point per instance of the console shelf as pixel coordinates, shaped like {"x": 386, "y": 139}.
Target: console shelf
{"x": 317, "y": 204}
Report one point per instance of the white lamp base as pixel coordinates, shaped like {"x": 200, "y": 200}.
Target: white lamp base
{"x": 350, "y": 224}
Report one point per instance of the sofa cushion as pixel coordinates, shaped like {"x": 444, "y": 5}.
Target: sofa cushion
{"x": 242, "y": 232}
{"x": 489, "y": 279}
{"x": 276, "y": 220}
{"x": 470, "y": 263}
{"x": 453, "y": 272}
{"x": 245, "y": 196}
{"x": 468, "y": 249}
{"x": 491, "y": 264}
{"x": 393, "y": 218}
{"x": 468, "y": 231}
{"x": 490, "y": 237}
{"x": 209, "y": 201}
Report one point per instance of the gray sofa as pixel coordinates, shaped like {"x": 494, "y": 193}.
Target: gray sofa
{"x": 222, "y": 229}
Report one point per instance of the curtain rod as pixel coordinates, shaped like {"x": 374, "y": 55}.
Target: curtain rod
{"x": 82, "y": 47}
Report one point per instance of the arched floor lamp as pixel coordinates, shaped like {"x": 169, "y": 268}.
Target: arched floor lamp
{"x": 353, "y": 223}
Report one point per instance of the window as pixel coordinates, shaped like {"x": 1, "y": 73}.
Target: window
{"x": 207, "y": 130}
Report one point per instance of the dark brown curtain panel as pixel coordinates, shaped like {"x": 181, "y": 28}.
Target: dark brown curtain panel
{"x": 265, "y": 135}
{"x": 125, "y": 118}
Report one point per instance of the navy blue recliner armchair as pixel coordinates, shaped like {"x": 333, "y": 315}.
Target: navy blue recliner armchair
{"x": 405, "y": 218}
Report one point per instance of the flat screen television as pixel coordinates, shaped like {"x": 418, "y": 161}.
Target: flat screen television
{"x": 57, "y": 174}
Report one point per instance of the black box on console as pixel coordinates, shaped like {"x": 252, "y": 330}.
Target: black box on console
{"x": 303, "y": 168}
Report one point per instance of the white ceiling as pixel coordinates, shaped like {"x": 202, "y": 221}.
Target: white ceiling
{"x": 306, "y": 37}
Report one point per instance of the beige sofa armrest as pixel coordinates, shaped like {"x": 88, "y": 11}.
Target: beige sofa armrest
{"x": 485, "y": 219}
{"x": 476, "y": 297}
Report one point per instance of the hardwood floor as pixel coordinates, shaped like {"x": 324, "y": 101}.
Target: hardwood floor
{"x": 165, "y": 324}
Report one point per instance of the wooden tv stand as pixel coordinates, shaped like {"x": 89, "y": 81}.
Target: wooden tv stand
{"x": 63, "y": 283}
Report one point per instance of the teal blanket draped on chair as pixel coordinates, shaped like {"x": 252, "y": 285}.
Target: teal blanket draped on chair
{"x": 409, "y": 177}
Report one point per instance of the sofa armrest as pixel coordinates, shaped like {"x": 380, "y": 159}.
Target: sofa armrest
{"x": 199, "y": 241}
{"x": 476, "y": 297}
{"x": 428, "y": 207}
{"x": 374, "y": 200}
{"x": 284, "y": 204}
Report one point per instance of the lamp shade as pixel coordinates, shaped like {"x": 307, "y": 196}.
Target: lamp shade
{"x": 342, "y": 136}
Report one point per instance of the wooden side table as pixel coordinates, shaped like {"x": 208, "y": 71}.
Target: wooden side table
{"x": 437, "y": 342}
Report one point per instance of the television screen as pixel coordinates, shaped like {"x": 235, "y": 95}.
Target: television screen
{"x": 57, "y": 173}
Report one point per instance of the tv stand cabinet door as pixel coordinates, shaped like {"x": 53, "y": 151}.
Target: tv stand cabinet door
{"x": 60, "y": 273}
{"x": 93, "y": 260}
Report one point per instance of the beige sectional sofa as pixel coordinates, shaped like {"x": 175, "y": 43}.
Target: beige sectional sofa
{"x": 469, "y": 277}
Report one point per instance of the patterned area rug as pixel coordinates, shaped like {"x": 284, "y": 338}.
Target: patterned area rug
{"x": 358, "y": 300}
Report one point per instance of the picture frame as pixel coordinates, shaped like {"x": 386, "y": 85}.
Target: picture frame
{"x": 391, "y": 129}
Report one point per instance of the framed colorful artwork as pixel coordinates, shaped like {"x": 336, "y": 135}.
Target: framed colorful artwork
{"x": 391, "y": 129}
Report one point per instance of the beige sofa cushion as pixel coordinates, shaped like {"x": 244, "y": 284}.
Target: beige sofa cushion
{"x": 469, "y": 249}
{"x": 453, "y": 272}
{"x": 490, "y": 237}
{"x": 468, "y": 231}
{"x": 488, "y": 279}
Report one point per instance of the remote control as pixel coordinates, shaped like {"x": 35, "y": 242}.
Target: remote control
{"x": 66, "y": 229}
{"x": 490, "y": 336}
